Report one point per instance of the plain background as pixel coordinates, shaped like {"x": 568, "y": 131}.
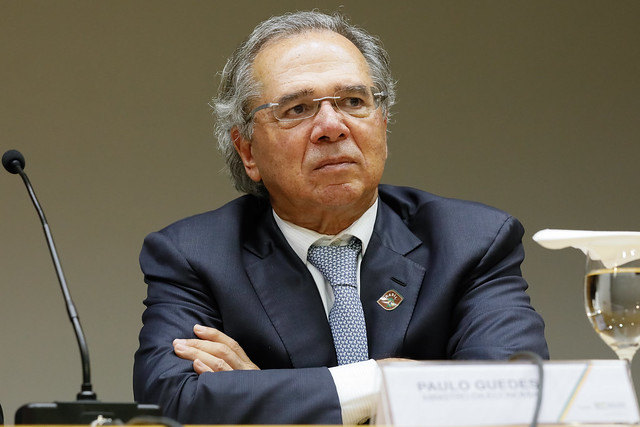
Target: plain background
{"x": 529, "y": 106}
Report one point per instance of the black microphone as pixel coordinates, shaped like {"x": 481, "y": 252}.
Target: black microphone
{"x": 13, "y": 162}
{"x": 87, "y": 408}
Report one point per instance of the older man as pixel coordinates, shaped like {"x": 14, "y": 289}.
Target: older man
{"x": 274, "y": 308}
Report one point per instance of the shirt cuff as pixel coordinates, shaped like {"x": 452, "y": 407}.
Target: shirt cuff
{"x": 358, "y": 385}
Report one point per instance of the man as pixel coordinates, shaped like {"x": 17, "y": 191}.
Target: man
{"x": 245, "y": 324}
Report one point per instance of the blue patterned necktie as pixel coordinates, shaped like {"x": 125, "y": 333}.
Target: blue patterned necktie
{"x": 339, "y": 265}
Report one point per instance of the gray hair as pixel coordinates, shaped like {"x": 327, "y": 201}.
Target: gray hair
{"x": 238, "y": 89}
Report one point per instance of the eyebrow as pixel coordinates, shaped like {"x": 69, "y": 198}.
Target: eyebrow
{"x": 309, "y": 92}
{"x": 353, "y": 88}
{"x": 295, "y": 95}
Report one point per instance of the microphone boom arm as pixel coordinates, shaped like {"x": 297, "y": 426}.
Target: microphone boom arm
{"x": 86, "y": 391}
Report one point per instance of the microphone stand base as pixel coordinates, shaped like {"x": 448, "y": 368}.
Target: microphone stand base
{"x": 82, "y": 412}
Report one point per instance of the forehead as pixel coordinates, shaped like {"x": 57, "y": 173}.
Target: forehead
{"x": 316, "y": 61}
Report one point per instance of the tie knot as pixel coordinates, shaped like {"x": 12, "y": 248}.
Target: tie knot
{"x": 338, "y": 264}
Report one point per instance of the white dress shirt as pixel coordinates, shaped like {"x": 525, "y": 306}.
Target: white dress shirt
{"x": 357, "y": 383}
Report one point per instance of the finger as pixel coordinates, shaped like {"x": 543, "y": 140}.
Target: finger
{"x": 194, "y": 348}
{"x": 229, "y": 350}
{"x": 183, "y": 350}
{"x": 200, "y": 367}
{"x": 213, "y": 365}
{"x": 216, "y": 355}
{"x": 202, "y": 361}
{"x": 215, "y": 335}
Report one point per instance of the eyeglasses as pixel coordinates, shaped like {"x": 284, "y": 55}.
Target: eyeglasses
{"x": 358, "y": 101}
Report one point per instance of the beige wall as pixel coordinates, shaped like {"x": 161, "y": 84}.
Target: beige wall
{"x": 531, "y": 106}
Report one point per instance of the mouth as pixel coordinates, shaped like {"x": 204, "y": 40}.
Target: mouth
{"x": 335, "y": 163}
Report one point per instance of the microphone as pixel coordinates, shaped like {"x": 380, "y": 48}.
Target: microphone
{"x": 86, "y": 408}
{"x": 13, "y": 162}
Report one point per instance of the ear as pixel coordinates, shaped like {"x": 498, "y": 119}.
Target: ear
{"x": 245, "y": 150}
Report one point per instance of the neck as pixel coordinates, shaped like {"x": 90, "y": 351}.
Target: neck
{"x": 329, "y": 220}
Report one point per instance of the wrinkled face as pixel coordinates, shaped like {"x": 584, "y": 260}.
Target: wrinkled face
{"x": 331, "y": 161}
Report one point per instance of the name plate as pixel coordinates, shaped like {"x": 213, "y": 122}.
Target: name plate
{"x": 505, "y": 393}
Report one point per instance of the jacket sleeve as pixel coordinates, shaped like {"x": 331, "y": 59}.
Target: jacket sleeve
{"x": 495, "y": 317}
{"x": 177, "y": 300}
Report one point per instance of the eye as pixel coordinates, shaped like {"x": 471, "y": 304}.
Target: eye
{"x": 353, "y": 104}
{"x": 298, "y": 109}
{"x": 293, "y": 112}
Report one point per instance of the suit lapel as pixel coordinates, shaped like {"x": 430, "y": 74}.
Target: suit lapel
{"x": 289, "y": 296}
{"x": 385, "y": 267}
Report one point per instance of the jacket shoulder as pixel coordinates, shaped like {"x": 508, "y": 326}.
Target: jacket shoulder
{"x": 225, "y": 228}
{"x": 223, "y": 220}
{"x": 429, "y": 215}
{"x": 408, "y": 202}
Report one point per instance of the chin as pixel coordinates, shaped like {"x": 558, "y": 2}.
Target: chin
{"x": 339, "y": 195}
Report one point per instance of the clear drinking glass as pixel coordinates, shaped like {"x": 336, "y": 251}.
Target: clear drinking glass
{"x": 612, "y": 300}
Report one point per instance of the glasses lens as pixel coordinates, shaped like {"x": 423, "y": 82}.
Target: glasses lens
{"x": 296, "y": 109}
{"x": 356, "y": 102}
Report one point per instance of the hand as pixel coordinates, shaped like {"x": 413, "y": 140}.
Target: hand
{"x": 213, "y": 352}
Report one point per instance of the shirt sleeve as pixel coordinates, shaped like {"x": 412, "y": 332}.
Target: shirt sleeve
{"x": 358, "y": 385}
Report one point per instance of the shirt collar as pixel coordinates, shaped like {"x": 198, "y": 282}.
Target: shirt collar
{"x": 300, "y": 238}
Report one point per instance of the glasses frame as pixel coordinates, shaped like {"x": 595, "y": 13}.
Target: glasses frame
{"x": 378, "y": 97}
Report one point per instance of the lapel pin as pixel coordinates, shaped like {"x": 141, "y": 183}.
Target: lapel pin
{"x": 390, "y": 300}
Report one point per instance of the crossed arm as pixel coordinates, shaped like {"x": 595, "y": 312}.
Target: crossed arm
{"x": 214, "y": 351}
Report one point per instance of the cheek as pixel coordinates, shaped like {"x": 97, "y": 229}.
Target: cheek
{"x": 279, "y": 158}
{"x": 374, "y": 145}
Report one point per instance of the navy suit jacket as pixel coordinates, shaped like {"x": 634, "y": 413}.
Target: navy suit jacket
{"x": 456, "y": 263}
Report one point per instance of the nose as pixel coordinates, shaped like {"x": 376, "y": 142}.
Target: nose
{"x": 328, "y": 124}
